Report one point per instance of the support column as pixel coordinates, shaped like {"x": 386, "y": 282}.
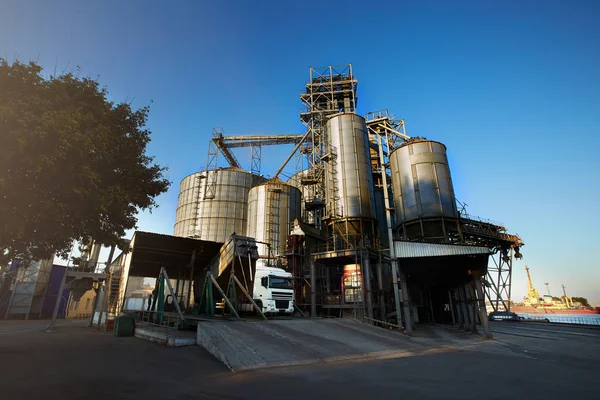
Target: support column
{"x": 104, "y": 301}
{"x": 430, "y": 304}
{"x": 94, "y": 305}
{"x": 313, "y": 288}
{"x": 406, "y": 304}
{"x": 457, "y": 304}
{"x": 463, "y": 308}
{"x": 397, "y": 300}
{"x": 451, "y": 305}
{"x": 473, "y": 324}
{"x": 61, "y": 289}
{"x": 485, "y": 323}
{"x": 107, "y": 283}
{"x": 367, "y": 279}
{"x": 380, "y": 289}
{"x": 177, "y": 286}
{"x": 191, "y": 282}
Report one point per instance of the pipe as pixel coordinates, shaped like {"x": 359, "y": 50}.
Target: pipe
{"x": 292, "y": 154}
{"x": 395, "y": 268}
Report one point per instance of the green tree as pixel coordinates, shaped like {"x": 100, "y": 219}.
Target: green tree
{"x": 581, "y": 300}
{"x": 72, "y": 163}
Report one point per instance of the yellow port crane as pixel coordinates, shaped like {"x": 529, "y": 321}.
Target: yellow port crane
{"x": 533, "y": 295}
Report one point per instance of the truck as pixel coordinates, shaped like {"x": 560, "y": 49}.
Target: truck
{"x": 273, "y": 291}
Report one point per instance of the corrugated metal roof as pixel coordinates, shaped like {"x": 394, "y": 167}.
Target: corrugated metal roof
{"x": 415, "y": 249}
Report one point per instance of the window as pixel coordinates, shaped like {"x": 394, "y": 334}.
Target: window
{"x": 276, "y": 282}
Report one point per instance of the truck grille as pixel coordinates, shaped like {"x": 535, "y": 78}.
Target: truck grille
{"x": 282, "y": 304}
{"x": 282, "y": 296}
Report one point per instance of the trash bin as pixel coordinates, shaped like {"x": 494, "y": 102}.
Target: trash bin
{"x": 124, "y": 325}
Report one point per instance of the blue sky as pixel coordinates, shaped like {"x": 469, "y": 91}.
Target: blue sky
{"x": 512, "y": 88}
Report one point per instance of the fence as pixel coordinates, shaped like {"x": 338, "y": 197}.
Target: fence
{"x": 591, "y": 319}
{"x": 169, "y": 324}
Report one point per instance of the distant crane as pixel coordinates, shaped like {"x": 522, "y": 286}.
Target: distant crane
{"x": 547, "y": 288}
{"x": 531, "y": 292}
{"x": 567, "y": 299}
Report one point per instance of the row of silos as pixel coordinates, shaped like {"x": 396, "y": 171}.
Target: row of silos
{"x": 214, "y": 204}
{"x": 423, "y": 194}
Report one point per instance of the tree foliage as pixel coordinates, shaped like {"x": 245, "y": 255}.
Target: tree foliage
{"x": 581, "y": 300}
{"x": 72, "y": 163}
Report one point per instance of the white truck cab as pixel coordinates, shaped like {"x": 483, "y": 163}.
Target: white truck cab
{"x": 273, "y": 290}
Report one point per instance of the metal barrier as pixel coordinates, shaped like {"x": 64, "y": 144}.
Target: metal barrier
{"x": 170, "y": 324}
{"x": 592, "y": 319}
{"x": 348, "y": 242}
{"x": 383, "y": 323}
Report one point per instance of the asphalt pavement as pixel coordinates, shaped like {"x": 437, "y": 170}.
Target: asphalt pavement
{"x": 523, "y": 361}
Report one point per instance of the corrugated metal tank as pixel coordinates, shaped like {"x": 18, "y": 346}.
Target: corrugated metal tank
{"x": 272, "y": 208}
{"x": 306, "y": 191}
{"x": 348, "y": 175}
{"x": 296, "y": 181}
{"x": 216, "y": 218}
{"x": 350, "y": 179}
{"x": 422, "y": 187}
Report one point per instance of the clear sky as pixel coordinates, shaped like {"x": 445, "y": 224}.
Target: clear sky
{"x": 511, "y": 87}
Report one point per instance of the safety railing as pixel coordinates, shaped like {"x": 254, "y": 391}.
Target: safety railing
{"x": 347, "y": 242}
{"x": 167, "y": 323}
{"x": 383, "y": 324}
{"x": 88, "y": 266}
{"x": 588, "y": 319}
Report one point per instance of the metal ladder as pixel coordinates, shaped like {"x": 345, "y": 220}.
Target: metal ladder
{"x": 273, "y": 208}
{"x": 193, "y": 231}
{"x": 335, "y": 200}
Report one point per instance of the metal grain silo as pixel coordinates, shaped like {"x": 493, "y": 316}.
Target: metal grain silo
{"x": 272, "y": 208}
{"x": 296, "y": 181}
{"x": 212, "y": 204}
{"x": 348, "y": 175}
{"x": 423, "y": 191}
{"x": 186, "y": 216}
{"x": 306, "y": 191}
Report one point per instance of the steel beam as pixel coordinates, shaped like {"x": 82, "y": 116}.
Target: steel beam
{"x": 483, "y": 317}
{"x": 313, "y": 288}
{"x": 367, "y": 280}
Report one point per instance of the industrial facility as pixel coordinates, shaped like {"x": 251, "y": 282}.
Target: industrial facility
{"x": 367, "y": 227}
{"x": 368, "y": 224}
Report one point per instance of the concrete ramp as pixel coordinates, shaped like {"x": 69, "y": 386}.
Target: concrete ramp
{"x": 246, "y": 345}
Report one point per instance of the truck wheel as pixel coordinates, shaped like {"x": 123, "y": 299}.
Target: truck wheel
{"x": 259, "y": 304}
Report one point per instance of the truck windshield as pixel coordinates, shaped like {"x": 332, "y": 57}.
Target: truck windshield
{"x": 277, "y": 282}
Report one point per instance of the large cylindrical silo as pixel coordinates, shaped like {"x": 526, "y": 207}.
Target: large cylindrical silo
{"x": 213, "y": 204}
{"x": 423, "y": 191}
{"x": 272, "y": 208}
{"x": 348, "y": 176}
{"x": 186, "y": 215}
{"x": 307, "y": 194}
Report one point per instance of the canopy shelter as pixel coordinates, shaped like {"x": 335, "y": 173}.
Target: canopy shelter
{"x": 151, "y": 251}
{"x": 184, "y": 259}
{"x": 443, "y": 283}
